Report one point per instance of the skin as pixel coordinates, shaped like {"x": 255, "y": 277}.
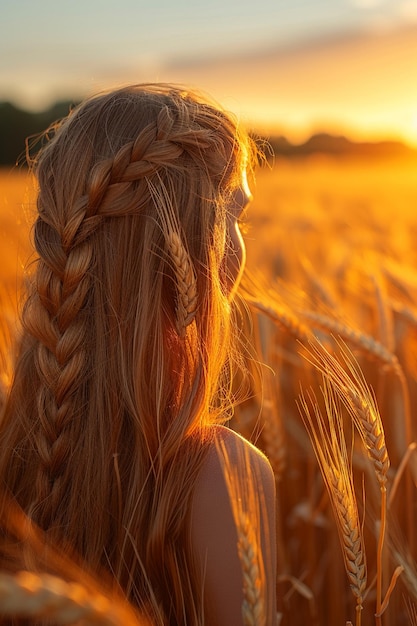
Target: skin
{"x": 236, "y": 258}
{"x": 214, "y": 534}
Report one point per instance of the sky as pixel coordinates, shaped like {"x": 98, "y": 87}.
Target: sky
{"x": 290, "y": 66}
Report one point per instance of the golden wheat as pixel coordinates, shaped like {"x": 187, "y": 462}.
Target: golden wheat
{"x": 253, "y": 608}
{"x": 328, "y": 440}
{"x": 247, "y": 518}
{"x": 284, "y": 318}
{"x": 336, "y": 214}
{"x": 369, "y": 345}
{"x": 385, "y": 314}
{"x": 273, "y": 438}
{"x": 354, "y": 392}
{"x": 38, "y": 596}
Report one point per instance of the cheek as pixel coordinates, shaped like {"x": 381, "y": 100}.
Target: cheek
{"x": 236, "y": 257}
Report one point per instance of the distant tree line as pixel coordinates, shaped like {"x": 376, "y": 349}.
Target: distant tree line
{"x": 18, "y": 126}
{"x": 339, "y": 146}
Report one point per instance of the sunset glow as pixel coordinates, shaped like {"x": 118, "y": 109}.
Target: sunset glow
{"x": 293, "y": 70}
{"x": 361, "y": 86}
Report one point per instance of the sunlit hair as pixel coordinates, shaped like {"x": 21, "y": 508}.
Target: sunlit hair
{"x": 127, "y": 338}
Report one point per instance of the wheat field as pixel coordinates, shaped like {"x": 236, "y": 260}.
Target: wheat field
{"x": 332, "y": 293}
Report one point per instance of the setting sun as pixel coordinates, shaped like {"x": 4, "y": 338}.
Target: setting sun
{"x": 358, "y": 85}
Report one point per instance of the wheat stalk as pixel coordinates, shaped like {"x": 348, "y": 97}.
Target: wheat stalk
{"x": 353, "y": 390}
{"x": 38, "y": 596}
{"x": 185, "y": 281}
{"x": 411, "y": 612}
{"x": 316, "y": 286}
{"x": 247, "y": 518}
{"x": 364, "y": 342}
{"x": 327, "y": 437}
{"x": 273, "y": 438}
{"x": 356, "y": 395}
{"x": 253, "y": 609}
{"x": 406, "y": 312}
{"x": 385, "y": 316}
{"x": 283, "y": 317}
{"x": 402, "y": 276}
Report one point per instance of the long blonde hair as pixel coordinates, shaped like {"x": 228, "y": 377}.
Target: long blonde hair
{"x": 126, "y": 336}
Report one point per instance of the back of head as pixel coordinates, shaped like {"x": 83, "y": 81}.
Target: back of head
{"x": 131, "y": 234}
{"x": 127, "y": 324}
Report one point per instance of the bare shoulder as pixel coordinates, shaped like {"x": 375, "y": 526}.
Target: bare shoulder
{"x": 242, "y": 455}
{"x": 236, "y": 447}
{"x": 213, "y": 530}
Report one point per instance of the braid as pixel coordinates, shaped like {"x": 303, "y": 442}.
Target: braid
{"x": 157, "y": 146}
{"x": 186, "y": 283}
{"x": 56, "y": 320}
{"x": 116, "y": 187}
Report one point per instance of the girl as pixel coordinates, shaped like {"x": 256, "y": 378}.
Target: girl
{"x": 112, "y": 439}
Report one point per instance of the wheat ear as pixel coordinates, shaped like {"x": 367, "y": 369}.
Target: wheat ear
{"x": 406, "y": 312}
{"x": 247, "y": 518}
{"x": 282, "y": 317}
{"x": 328, "y": 440}
{"x": 253, "y": 605}
{"x": 186, "y": 283}
{"x": 364, "y": 342}
{"x": 352, "y": 388}
{"x": 354, "y": 392}
{"x": 368, "y": 421}
{"x": 37, "y": 596}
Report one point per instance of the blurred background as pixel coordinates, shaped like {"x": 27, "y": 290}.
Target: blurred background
{"x": 344, "y": 67}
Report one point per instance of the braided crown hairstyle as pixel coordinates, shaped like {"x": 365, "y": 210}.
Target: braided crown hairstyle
{"x": 126, "y": 333}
